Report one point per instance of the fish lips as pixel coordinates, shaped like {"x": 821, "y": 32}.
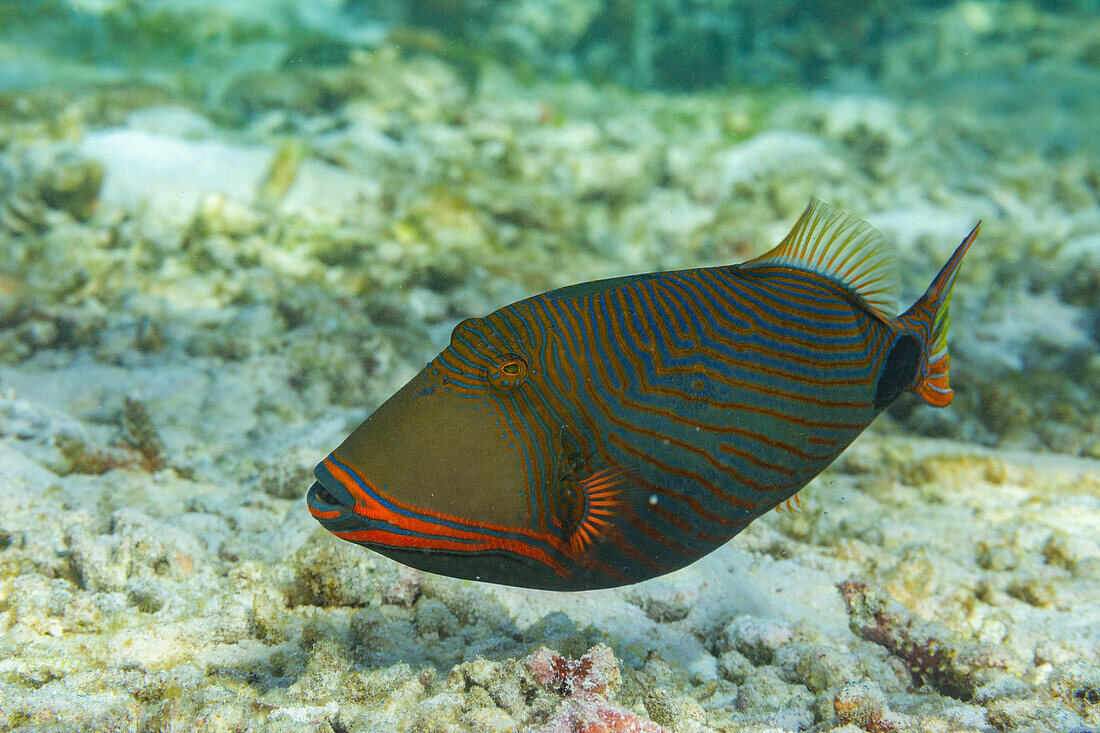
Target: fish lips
{"x": 329, "y": 502}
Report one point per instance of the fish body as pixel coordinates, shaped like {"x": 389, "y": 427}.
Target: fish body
{"x": 609, "y": 432}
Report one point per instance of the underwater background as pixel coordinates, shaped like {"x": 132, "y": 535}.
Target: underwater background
{"x": 230, "y": 229}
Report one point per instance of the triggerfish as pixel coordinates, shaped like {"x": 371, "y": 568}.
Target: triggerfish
{"x": 612, "y": 431}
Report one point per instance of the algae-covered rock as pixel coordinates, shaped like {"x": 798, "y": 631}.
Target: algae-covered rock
{"x": 818, "y": 667}
{"x": 764, "y": 692}
{"x": 860, "y": 703}
{"x": 680, "y": 713}
{"x": 332, "y": 573}
{"x": 955, "y": 667}
{"x": 758, "y": 639}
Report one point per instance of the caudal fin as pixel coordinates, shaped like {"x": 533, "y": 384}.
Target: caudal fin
{"x": 929, "y": 319}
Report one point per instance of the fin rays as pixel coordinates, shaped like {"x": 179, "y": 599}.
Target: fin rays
{"x": 848, "y": 250}
{"x": 930, "y": 317}
{"x": 600, "y": 497}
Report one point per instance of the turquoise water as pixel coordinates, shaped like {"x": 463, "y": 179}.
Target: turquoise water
{"x": 990, "y": 107}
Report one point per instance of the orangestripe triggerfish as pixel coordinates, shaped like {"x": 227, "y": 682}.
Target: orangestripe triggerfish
{"x": 612, "y": 431}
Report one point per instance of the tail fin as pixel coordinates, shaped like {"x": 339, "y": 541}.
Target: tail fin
{"x": 929, "y": 319}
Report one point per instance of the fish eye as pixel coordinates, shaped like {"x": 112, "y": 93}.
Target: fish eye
{"x": 507, "y": 371}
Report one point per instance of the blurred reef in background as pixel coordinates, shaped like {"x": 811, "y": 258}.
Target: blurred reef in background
{"x": 551, "y": 134}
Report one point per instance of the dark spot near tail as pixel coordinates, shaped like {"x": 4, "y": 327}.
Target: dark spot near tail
{"x": 899, "y": 372}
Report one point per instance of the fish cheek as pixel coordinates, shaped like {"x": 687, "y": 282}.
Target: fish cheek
{"x": 899, "y": 371}
{"x": 442, "y": 452}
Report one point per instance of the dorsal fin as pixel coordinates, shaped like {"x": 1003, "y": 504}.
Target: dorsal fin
{"x": 843, "y": 248}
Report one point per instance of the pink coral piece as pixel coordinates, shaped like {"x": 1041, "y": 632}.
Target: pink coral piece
{"x": 588, "y": 713}
{"x": 584, "y": 683}
{"x": 594, "y": 672}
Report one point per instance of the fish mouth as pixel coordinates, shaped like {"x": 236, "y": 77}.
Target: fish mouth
{"x": 322, "y": 496}
{"x": 327, "y": 503}
{"x": 454, "y": 546}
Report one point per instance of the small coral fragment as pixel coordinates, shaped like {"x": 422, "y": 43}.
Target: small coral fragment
{"x": 585, "y": 685}
{"x": 140, "y": 433}
{"x": 597, "y": 672}
{"x": 82, "y": 458}
{"x": 860, "y": 703}
{"x": 596, "y": 715}
{"x": 955, "y": 668}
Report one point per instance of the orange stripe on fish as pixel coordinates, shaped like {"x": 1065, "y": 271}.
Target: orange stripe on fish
{"x": 446, "y": 536}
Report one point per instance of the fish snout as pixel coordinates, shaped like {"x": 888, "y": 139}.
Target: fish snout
{"x": 431, "y": 453}
{"x": 328, "y": 503}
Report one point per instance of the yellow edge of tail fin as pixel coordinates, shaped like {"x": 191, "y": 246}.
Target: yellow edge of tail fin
{"x": 934, "y": 385}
